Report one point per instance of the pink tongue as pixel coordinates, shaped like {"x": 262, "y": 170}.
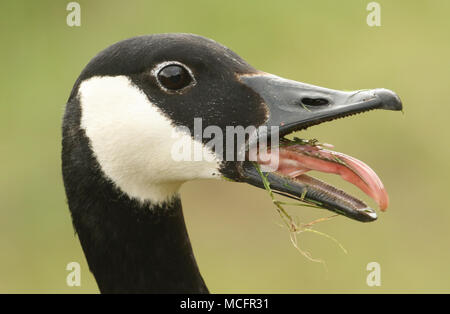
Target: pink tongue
{"x": 297, "y": 159}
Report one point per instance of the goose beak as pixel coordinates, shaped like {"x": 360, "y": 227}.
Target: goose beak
{"x": 293, "y": 106}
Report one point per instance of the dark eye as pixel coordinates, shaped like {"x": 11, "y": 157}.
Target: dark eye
{"x": 174, "y": 77}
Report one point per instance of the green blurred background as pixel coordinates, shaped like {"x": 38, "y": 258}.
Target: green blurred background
{"x": 233, "y": 227}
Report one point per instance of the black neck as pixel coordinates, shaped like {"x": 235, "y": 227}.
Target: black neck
{"x": 129, "y": 246}
{"x": 139, "y": 249}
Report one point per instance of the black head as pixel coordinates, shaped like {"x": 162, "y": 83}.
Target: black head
{"x": 208, "y": 75}
{"x": 138, "y": 102}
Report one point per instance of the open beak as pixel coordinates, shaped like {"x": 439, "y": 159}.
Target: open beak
{"x": 293, "y": 106}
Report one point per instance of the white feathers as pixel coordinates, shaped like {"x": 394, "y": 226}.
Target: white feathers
{"x": 132, "y": 140}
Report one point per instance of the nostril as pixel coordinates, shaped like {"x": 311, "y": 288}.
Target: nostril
{"x": 314, "y": 101}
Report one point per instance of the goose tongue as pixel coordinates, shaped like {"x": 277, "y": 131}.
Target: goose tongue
{"x": 294, "y": 160}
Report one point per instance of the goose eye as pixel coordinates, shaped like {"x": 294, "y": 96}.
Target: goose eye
{"x": 174, "y": 77}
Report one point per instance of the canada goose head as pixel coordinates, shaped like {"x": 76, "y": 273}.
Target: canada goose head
{"x": 152, "y": 112}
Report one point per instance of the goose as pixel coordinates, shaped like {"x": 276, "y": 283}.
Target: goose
{"x": 138, "y": 99}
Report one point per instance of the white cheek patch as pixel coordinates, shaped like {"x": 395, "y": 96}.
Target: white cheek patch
{"x": 132, "y": 140}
